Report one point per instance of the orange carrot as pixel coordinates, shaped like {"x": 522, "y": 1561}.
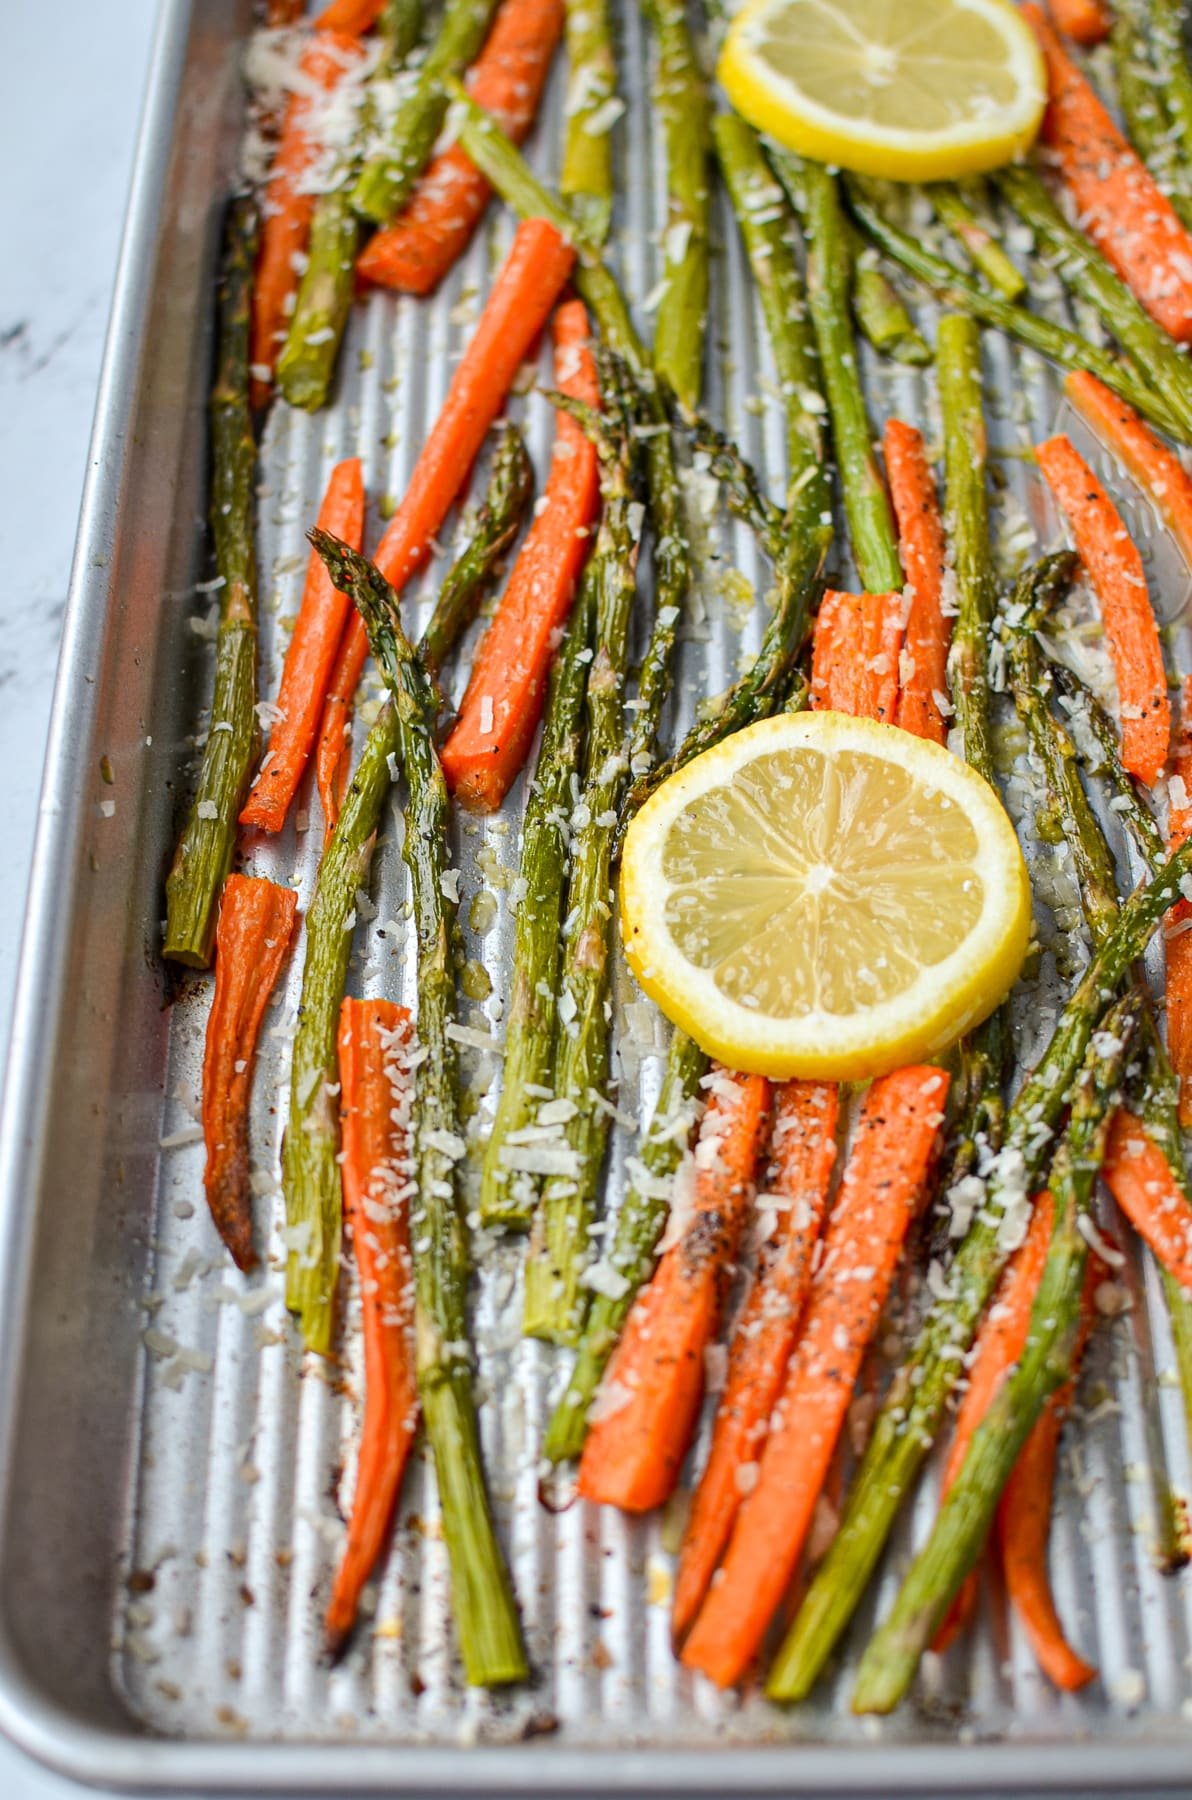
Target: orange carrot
{"x": 256, "y": 922}
{"x": 1024, "y": 1522}
{"x": 286, "y": 210}
{"x": 886, "y": 1171}
{"x": 416, "y": 251}
{"x": 1000, "y": 1343}
{"x": 1178, "y": 930}
{"x": 500, "y": 711}
{"x": 353, "y": 16}
{"x": 836, "y": 653}
{"x": 534, "y": 273}
{"x": 803, "y": 1150}
{"x": 855, "y": 654}
{"x": 1114, "y": 194}
{"x": 1115, "y": 567}
{"x": 284, "y": 12}
{"x": 309, "y": 659}
{"x": 1086, "y": 22}
{"x": 331, "y": 762}
{"x": 921, "y": 547}
{"x": 651, "y": 1392}
{"x": 1146, "y": 457}
{"x": 1139, "y": 1178}
{"x": 374, "y": 1101}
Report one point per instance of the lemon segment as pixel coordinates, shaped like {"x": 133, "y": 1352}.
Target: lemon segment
{"x": 921, "y": 90}
{"x": 824, "y": 896}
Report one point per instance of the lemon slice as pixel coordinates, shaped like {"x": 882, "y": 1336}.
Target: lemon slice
{"x": 917, "y": 90}
{"x": 824, "y": 896}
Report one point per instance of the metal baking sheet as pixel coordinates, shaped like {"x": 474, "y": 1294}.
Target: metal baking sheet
{"x": 173, "y": 1468}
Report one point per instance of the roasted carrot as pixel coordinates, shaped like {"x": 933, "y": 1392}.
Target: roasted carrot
{"x": 886, "y": 1171}
{"x": 310, "y": 658}
{"x": 836, "y": 653}
{"x": 1114, "y": 194}
{"x": 1178, "y": 930}
{"x": 650, "y": 1395}
{"x": 256, "y": 922}
{"x": 1146, "y": 457}
{"x": 284, "y": 12}
{"x": 923, "y": 665}
{"x": 1139, "y": 1177}
{"x": 1115, "y": 568}
{"x": 374, "y": 1106}
{"x": 287, "y": 208}
{"x": 802, "y": 1152}
{"x": 855, "y": 654}
{"x": 1024, "y": 1521}
{"x": 331, "y": 763}
{"x": 1086, "y": 22}
{"x": 353, "y": 16}
{"x": 533, "y": 275}
{"x": 416, "y": 251}
{"x": 502, "y": 705}
{"x": 1000, "y": 1343}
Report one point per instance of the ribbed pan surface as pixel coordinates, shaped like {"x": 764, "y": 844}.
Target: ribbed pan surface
{"x": 243, "y": 1466}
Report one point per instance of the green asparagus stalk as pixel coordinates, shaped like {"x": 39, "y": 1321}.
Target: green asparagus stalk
{"x": 482, "y": 1594}
{"x": 958, "y": 362}
{"x": 682, "y": 105}
{"x": 306, "y": 366}
{"x": 1085, "y": 272}
{"x": 741, "y": 485}
{"x": 954, "y": 289}
{"x": 1167, "y": 25}
{"x": 507, "y": 1197}
{"x": 962, "y": 1525}
{"x": 1097, "y": 747}
{"x": 639, "y": 1226}
{"x": 388, "y": 176}
{"x": 310, "y": 1155}
{"x": 879, "y": 311}
{"x": 506, "y": 503}
{"x": 204, "y": 853}
{"x": 555, "y": 1295}
{"x": 766, "y": 227}
{"x": 1145, "y": 107}
{"x": 978, "y": 243}
{"x": 913, "y": 1411}
{"x": 812, "y": 188}
{"x": 310, "y": 1151}
{"x": 307, "y": 362}
{"x": 586, "y": 178}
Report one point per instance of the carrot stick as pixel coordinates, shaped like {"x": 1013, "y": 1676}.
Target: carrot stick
{"x": 1139, "y": 1177}
{"x": 1178, "y": 930}
{"x": 1115, "y": 197}
{"x": 256, "y": 922}
{"x": 287, "y": 209}
{"x": 331, "y": 762}
{"x": 1086, "y": 22}
{"x": 1144, "y": 455}
{"x": 1000, "y": 1342}
{"x": 500, "y": 711}
{"x": 353, "y": 16}
{"x": 836, "y": 653}
{"x": 924, "y": 667}
{"x": 651, "y": 1392}
{"x": 855, "y": 654}
{"x": 374, "y": 1106}
{"x": 887, "y": 1168}
{"x": 310, "y": 658}
{"x": 803, "y": 1150}
{"x": 534, "y": 272}
{"x": 283, "y": 12}
{"x": 882, "y": 621}
{"x": 507, "y": 78}
{"x": 1024, "y": 1522}
{"x": 1115, "y": 567}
